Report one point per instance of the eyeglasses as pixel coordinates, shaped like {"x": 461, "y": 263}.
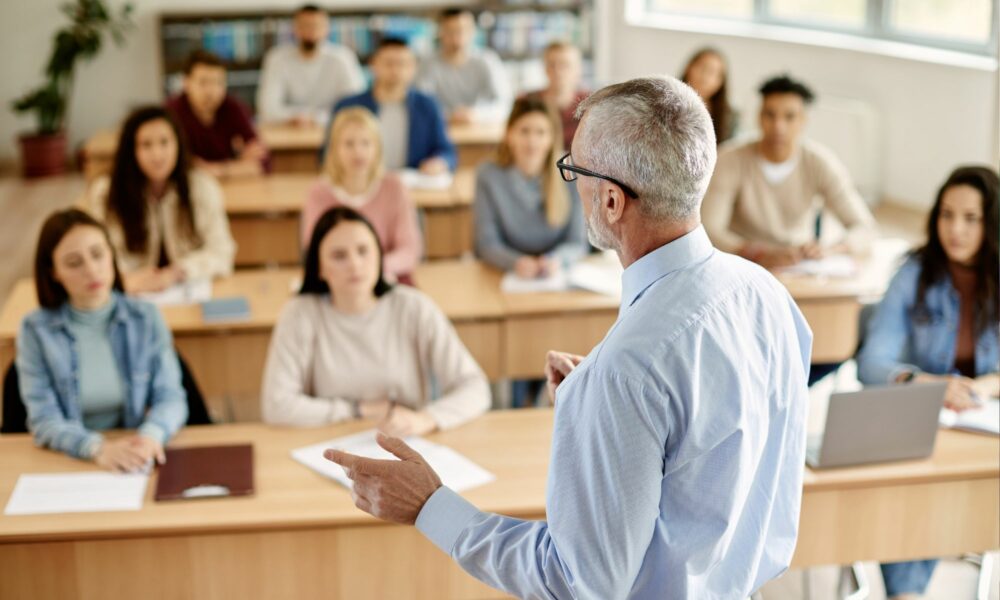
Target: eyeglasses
{"x": 568, "y": 171}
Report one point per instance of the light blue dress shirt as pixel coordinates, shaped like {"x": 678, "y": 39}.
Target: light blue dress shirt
{"x": 678, "y": 447}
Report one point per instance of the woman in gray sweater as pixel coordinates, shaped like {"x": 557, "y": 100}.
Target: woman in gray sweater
{"x": 527, "y": 218}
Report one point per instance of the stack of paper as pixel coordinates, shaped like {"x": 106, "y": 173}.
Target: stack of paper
{"x": 512, "y": 284}
{"x": 837, "y": 266}
{"x": 415, "y": 180}
{"x": 599, "y": 276}
{"x": 76, "y": 492}
{"x": 188, "y": 292}
{"x": 985, "y": 419}
{"x": 456, "y": 471}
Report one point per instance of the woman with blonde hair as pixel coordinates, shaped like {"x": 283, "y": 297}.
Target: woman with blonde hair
{"x": 527, "y": 218}
{"x": 353, "y": 176}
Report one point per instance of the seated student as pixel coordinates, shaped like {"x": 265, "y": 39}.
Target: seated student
{"x": 938, "y": 320}
{"x": 413, "y": 130}
{"x": 91, "y": 358}
{"x": 352, "y": 346}
{"x": 563, "y": 66}
{"x": 300, "y": 82}
{"x": 707, "y": 73}
{"x": 765, "y": 195}
{"x": 469, "y": 82}
{"x": 527, "y": 218}
{"x": 217, "y": 126}
{"x": 167, "y": 222}
{"x": 353, "y": 176}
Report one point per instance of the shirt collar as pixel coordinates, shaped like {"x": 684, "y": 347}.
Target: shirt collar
{"x": 692, "y": 247}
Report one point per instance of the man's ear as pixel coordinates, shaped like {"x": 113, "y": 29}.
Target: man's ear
{"x": 612, "y": 201}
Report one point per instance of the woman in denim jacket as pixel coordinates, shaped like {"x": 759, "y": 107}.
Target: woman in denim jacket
{"x": 92, "y": 359}
{"x": 938, "y": 319}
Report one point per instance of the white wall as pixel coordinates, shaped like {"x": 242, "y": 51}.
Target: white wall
{"x": 933, "y": 117}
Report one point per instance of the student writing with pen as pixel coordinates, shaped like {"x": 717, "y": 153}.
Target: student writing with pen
{"x": 351, "y": 346}
{"x": 938, "y": 319}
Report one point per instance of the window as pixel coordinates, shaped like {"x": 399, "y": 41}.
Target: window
{"x": 964, "y": 25}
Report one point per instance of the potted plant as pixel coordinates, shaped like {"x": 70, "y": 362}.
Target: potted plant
{"x": 44, "y": 151}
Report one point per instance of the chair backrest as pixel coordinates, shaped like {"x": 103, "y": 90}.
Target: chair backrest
{"x": 15, "y": 416}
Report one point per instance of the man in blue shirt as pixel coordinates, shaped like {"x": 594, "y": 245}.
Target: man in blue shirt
{"x": 413, "y": 126}
{"x": 679, "y": 441}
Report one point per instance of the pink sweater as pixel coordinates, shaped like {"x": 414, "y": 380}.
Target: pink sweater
{"x": 390, "y": 212}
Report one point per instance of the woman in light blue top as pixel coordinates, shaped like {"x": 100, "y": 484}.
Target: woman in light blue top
{"x": 938, "y": 319}
{"x": 527, "y": 218}
{"x": 92, "y": 359}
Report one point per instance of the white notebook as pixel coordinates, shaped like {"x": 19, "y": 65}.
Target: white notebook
{"x": 76, "y": 492}
{"x": 456, "y": 471}
{"x": 985, "y": 419}
{"x": 188, "y": 292}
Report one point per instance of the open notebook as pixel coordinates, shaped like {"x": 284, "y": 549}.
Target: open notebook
{"x": 985, "y": 419}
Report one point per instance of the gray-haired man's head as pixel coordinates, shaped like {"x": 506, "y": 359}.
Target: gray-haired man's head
{"x": 655, "y": 135}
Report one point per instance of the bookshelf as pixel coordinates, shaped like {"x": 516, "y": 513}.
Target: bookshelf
{"x": 516, "y": 30}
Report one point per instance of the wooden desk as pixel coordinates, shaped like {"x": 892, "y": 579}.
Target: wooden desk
{"x": 301, "y": 537}
{"x": 296, "y": 149}
{"x": 227, "y": 359}
{"x": 264, "y": 215}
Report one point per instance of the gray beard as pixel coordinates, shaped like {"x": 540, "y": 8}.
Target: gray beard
{"x": 598, "y": 233}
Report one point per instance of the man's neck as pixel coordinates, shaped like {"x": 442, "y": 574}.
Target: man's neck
{"x": 384, "y": 94}
{"x": 456, "y": 58}
{"x": 206, "y": 118}
{"x": 776, "y": 154}
{"x": 648, "y": 238}
{"x": 561, "y": 97}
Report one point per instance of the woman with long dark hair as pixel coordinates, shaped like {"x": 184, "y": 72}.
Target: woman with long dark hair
{"x": 353, "y": 346}
{"x": 167, "y": 222}
{"x": 708, "y": 73}
{"x": 938, "y": 320}
{"x": 91, "y": 358}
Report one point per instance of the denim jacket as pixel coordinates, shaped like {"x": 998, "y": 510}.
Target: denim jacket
{"x": 47, "y": 368}
{"x": 897, "y": 341}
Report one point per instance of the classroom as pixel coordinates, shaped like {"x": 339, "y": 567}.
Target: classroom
{"x": 487, "y": 299}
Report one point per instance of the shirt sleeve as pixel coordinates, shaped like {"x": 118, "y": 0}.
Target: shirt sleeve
{"x": 887, "y": 335}
{"x": 270, "y": 93}
{"x": 592, "y": 475}
{"x": 48, "y": 426}
{"x": 490, "y": 245}
{"x": 168, "y": 409}
{"x": 845, "y": 202}
{"x": 465, "y": 392}
{"x": 215, "y": 256}
{"x": 284, "y": 392}
{"x": 720, "y": 202}
{"x": 406, "y": 245}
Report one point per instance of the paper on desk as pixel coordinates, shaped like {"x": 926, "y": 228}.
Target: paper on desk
{"x": 985, "y": 419}
{"x": 76, "y": 492}
{"x": 188, "y": 292}
{"x": 456, "y": 471}
{"x": 512, "y": 284}
{"x": 839, "y": 265}
{"x": 600, "y": 276}
{"x": 415, "y": 180}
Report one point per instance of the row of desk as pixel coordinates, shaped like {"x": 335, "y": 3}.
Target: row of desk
{"x": 508, "y": 334}
{"x": 300, "y": 536}
{"x": 295, "y": 149}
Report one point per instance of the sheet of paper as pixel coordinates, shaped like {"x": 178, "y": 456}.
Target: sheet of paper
{"x": 838, "y": 266}
{"x": 188, "y": 292}
{"x": 985, "y": 419}
{"x": 600, "y": 276}
{"x": 415, "y": 180}
{"x": 512, "y": 284}
{"x": 456, "y": 471}
{"x": 76, "y": 492}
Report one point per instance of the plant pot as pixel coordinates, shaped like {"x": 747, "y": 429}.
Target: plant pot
{"x": 43, "y": 154}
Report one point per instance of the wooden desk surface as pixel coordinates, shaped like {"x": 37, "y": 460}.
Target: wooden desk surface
{"x": 513, "y": 445}
{"x": 287, "y": 192}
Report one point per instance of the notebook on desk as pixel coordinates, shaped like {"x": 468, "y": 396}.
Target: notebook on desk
{"x": 206, "y": 471}
{"x": 235, "y": 308}
{"x": 984, "y": 419}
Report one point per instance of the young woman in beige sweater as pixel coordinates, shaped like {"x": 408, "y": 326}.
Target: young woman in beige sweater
{"x": 351, "y": 346}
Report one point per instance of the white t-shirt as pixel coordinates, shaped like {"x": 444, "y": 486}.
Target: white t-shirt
{"x": 291, "y": 85}
{"x": 394, "y": 120}
{"x": 775, "y": 173}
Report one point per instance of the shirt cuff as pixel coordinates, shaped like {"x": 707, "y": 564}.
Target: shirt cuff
{"x": 153, "y": 431}
{"x": 444, "y": 517}
{"x": 91, "y": 446}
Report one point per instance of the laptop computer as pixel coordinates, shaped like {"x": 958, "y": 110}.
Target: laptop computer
{"x": 878, "y": 424}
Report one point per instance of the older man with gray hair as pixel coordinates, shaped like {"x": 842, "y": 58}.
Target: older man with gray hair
{"x": 679, "y": 441}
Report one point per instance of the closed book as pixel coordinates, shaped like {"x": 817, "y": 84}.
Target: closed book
{"x": 205, "y": 472}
